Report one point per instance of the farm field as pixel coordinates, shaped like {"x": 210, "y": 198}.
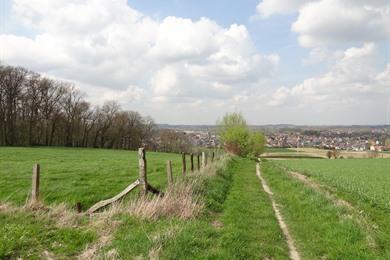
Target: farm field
{"x": 236, "y": 222}
{"x": 302, "y": 153}
{"x": 365, "y": 180}
{"x": 235, "y": 209}
{"x": 76, "y": 175}
{"x": 362, "y": 186}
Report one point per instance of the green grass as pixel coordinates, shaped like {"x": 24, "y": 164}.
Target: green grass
{"x": 363, "y": 182}
{"x": 365, "y": 179}
{"x": 67, "y": 176}
{"x": 238, "y": 224}
{"x": 237, "y": 221}
{"x": 320, "y": 228}
{"x": 28, "y": 236}
{"x": 76, "y": 175}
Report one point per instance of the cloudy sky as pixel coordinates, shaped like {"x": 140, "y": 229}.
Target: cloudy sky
{"x": 191, "y": 61}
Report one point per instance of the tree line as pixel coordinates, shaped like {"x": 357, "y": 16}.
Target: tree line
{"x": 36, "y": 110}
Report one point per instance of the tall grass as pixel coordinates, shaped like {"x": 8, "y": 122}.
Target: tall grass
{"x": 185, "y": 199}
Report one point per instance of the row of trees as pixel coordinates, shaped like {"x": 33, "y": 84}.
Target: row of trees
{"x": 36, "y": 110}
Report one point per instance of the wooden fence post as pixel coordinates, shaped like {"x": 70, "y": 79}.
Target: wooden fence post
{"x": 169, "y": 172}
{"x": 204, "y": 160}
{"x": 212, "y": 157}
{"x": 192, "y": 162}
{"x": 198, "y": 156}
{"x": 35, "y": 183}
{"x": 184, "y": 169}
{"x": 78, "y": 207}
{"x": 143, "y": 182}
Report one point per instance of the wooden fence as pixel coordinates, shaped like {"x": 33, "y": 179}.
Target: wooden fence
{"x": 141, "y": 182}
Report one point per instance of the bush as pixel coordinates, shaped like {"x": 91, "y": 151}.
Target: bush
{"x": 237, "y": 138}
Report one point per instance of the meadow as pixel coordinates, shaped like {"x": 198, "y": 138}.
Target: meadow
{"x": 71, "y": 175}
{"x": 234, "y": 209}
{"x": 235, "y": 221}
{"x": 346, "y": 210}
{"x": 364, "y": 179}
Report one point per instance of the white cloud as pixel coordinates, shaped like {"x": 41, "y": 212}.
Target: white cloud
{"x": 321, "y": 23}
{"x": 351, "y": 80}
{"x": 327, "y": 22}
{"x": 267, "y": 8}
{"x": 111, "y": 46}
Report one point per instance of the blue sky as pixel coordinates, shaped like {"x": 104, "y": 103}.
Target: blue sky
{"x": 276, "y": 61}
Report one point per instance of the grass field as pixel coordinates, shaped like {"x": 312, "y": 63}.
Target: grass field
{"x": 67, "y": 176}
{"x": 307, "y": 152}
{"x": 76, "y": 175}
{"x": 228, "y": 227}
{"x": 236, "y": 222}
{"x": 364, "y": 179}
{"x": 363, "y": 183}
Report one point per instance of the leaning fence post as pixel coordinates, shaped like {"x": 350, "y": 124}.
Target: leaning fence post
{"x": 192, "y": 162}
{"x": 35, "y": 183}
{"x": 198, "y": 156}
{"x": 184, "y": 169}
{"x": 142, "y": 171}
{"x": 203, "y": 160}
{"x": 169, "y": 172}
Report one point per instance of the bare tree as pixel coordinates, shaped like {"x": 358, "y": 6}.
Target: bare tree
{"x": 36, "y": 110}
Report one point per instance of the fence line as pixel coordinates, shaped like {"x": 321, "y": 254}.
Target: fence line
{"x": 142, "y": 180}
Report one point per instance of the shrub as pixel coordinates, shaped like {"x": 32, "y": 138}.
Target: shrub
{"x": 237, "y": 138}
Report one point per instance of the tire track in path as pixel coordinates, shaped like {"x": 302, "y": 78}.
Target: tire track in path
{"x": 294, "y": 255}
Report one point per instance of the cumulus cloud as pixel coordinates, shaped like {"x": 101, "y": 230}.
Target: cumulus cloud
{"x": 267, "y": 8}
{"x": 352, "y": 80}
{"x": 113, "y": 47}
{"x": 342, "y": 21}
{"x": 326, "y": 22}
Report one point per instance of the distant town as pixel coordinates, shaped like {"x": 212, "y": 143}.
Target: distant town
{"x": 349, "y": 138}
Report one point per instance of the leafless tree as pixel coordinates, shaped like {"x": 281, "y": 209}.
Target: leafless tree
{"x": 36, "y": 110}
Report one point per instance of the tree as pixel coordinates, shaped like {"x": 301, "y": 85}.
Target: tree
{"x": 234, "y": 133}
{"x": 336, "y": 153}
{"x": 387, "y": 143}
{"x": 35, "y": 110}
{"x": 237, "y": 138}
{"x": 172, "y": 141}
{"x": 256, "y": 144}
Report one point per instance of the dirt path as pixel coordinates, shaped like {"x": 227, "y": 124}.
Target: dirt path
{"x": 294, "y": 255}
{"x": 323, "y": 189}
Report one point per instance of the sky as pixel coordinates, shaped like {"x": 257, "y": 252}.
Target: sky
{"x": 312, "y": 62}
